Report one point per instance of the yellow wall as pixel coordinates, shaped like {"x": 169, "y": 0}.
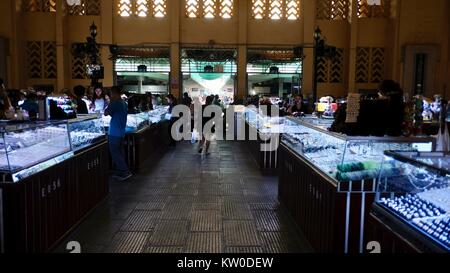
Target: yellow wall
{"x": 411, "y": 22}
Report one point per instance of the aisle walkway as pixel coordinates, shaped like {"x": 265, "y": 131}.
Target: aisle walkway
{"x": 188, "y": 203}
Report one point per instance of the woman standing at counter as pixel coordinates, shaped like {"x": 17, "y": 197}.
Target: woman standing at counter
{"x": 99, "y": 101}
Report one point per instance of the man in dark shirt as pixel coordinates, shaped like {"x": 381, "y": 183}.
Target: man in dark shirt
{"x": 80, "y": 91}
{"x": 118, "y": 111}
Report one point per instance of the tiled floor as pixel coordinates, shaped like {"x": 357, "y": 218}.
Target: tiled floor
{"x": 188, "y": 203}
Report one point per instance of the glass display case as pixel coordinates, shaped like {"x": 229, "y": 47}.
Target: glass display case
{"x": 263, "y": 123}
{"x": 135, "y": 122}
{"x": 86, "y": 131}
{"x": 158, "y": 114}
{"x": 414, "y": 187}
{"x": 26, "y": 149}
{"x": 342, "y": 157}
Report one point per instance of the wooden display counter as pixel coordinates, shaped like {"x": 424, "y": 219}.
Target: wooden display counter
{"x": 145, "y": 143}
{"x": 41, "y": 209}
{"x": 331, "y": 215}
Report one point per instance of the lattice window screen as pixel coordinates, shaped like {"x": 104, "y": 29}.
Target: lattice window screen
{"x": 209, "y": 8}
{"x": 78, "y": 68}
{"x": 331, "y": 70}
{"x": 362, "y": 64}
{"x": 369, "y": 64}
{"x": 372, "y": 11}
{"x": 34, "y": 59}
{"x": 125, "y": 8}
{"x": 49, "y": 60}
{"x": 337, "y": 67}
{"x": 333, "y": 9}
{"x": 377, "y": 65}
{"x": 87, "y": 7}
{"x": 141, "y": 8}
{"x": 41, "y": 60}
{"x": 192, "y": 8}
{"x": 159, "y": 8}
{"x": 322, "y": 70}
{"x": 226, "y": 9}
{"x": 275, "y": 9}
{"x": 39, "y": 5}
{"x": 292, "y": 9}
{"x": 259, "y": 9}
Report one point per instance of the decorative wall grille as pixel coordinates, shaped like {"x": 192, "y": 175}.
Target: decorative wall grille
{"x": 49, "y": 60}
{"x": 226, "y": 9}
{"x": 292, "y": 9}
{"x": 259, "y": 9}
{"x": 87, "y": 7}
{"x": 373, "y": 11}
{"x": 159, "y": 8}
{"x": 209, "y": 8}
{"x": 192, "y": 8}
{"x": 331, "y": 70}
{"x": 377, "y": 65}
{"x": 337, "y": 67}
{"x": 276, "y": 9}
{"x": 34, "y": 58}
{"x": 333, "y": 9}
{"x": 41, "y": 60}
{"x": 78, "y": 65}
{"x": 369, "y": 65}
{"x": 362, "y": 64}
{"x": 39, "y": 6}
{"x": 142, "y": 8}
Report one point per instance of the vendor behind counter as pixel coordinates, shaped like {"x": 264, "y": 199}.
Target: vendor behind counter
{"x": 380, "y": 116}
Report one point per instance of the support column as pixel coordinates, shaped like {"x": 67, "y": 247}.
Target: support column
{"x": 175, "y": 66}
{"x": 351, "y": 77}
{"x": 61, "y": 80}
{"x": 16, "y": 74}
{"x": 243, "y": 11}
{"x": 106, "y": 35}
{"x": 309, "y": 25}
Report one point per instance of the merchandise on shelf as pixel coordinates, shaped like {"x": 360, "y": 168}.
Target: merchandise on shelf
{"x": 86, "y": 131}
{"x": 26, "y": 148}
{"x": 418, "y": 193}
{"x": 342, "y": 157}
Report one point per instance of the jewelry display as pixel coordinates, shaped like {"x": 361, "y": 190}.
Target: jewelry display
{"x": 421, "y": 190}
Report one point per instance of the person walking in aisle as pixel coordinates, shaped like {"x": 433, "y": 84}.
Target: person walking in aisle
{"x": 172, "y": 102}
{"x": 206, "y": 136}
{"x": 118, "y": 111}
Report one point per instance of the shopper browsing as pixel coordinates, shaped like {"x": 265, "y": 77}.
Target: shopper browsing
{"x": 99, "y": 101}
{"x": 118, "y": 111}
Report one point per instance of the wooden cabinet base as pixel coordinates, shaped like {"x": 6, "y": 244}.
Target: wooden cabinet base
{"x": 38, "y": 211}
{"x": 331, "y": 215}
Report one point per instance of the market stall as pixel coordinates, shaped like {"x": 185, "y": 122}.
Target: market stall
{"x": 53, "y": 174}
{"x": 327, "y": 181}
{"x": 411, "y": 213}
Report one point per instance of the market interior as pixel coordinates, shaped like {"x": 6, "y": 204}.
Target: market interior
{"x": 330, "y": 131}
